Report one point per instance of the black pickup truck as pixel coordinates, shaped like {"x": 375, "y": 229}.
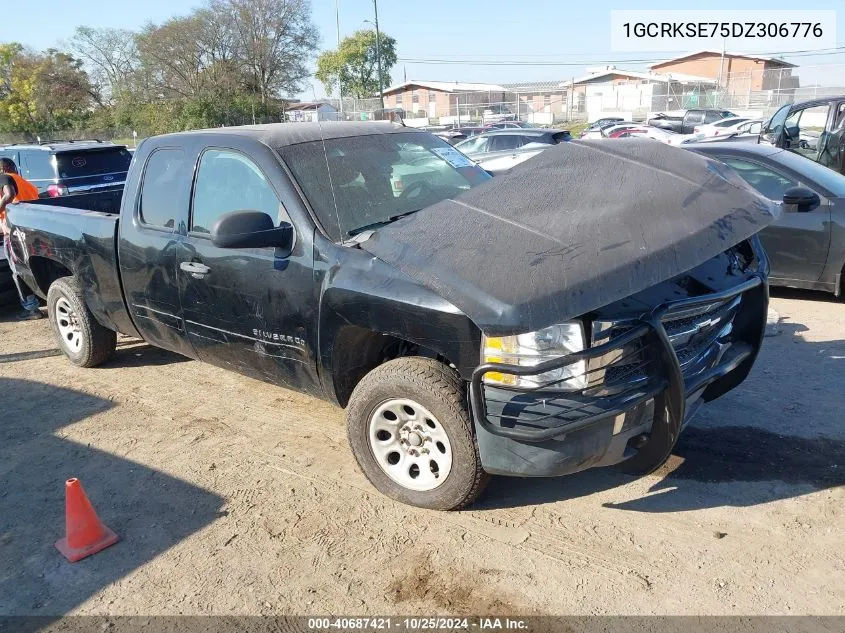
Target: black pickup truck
{"x": 470, "y": 325}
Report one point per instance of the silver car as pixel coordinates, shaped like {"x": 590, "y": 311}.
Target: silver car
{"x": 499, "y": 150}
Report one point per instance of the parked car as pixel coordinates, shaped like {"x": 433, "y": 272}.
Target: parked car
{"x": 748, "y": 132}
{"x": 497, "y": 113}
{"x": 593, "y": 130}
{"x": 691, "y": 118}
{"x": 61, "y": 168}
{"x": 608, "y": 120}
{"x": 725, "y": 126}
{"x": 666, "y": 121}
{"x": 507, "y": 125}
{"x": 500, "y": 150}
{"x": 626, "y": 131}
{"x": 469, "y": 326}
{"x": 814, "y": 129}
{"x": 458, "y": 134}
{"x": 647, "y": 131}
{"x": 604, "y": 132}
{"x": 806, "y": 245}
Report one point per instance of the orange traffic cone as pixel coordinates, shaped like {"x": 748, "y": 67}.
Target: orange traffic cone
{"x": 85, "y": 534}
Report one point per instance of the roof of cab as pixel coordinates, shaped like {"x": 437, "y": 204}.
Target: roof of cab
{"x": 283, "y": 134}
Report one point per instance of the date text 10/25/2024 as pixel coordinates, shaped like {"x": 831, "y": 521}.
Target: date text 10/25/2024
{"x": 418, "y": 624}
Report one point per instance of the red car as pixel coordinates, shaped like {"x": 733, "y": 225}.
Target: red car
{"x": 626, "y": 132}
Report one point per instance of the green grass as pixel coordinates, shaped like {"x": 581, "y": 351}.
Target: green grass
{"x": 574, "y": 127}
{"x": 126, "y": 141}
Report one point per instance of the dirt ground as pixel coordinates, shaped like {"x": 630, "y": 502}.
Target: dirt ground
{"x": 235, "y": 497}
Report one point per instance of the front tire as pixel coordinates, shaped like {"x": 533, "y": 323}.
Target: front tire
{"x": 83, "y": 340}
{"x": 411, "y": 434}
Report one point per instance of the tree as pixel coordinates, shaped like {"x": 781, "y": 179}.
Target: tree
{"x": 112, "y": 57}
{"x": 354, "y": 65}
{"x": 275, "y": 40}
{"x": 41, "y": 92}
{"x": 171, "y": 57}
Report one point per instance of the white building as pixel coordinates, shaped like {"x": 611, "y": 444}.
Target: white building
{"x": 312, "y": 112}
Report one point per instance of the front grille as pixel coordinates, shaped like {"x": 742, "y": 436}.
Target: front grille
{"x": 695, "y": 334}
{"x": 628, "y": 363}
{"x": 692, "y": 335}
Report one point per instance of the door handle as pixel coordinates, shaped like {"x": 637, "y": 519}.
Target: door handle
{"x": 196, "y": 269}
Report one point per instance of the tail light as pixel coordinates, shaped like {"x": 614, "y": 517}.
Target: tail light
{"x": 696, "y": 130}
{"x": 716, "y": 133}
{"x": 54, "y": 191}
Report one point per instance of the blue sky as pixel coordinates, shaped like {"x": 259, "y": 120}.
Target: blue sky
{"x": 574, "y": 33}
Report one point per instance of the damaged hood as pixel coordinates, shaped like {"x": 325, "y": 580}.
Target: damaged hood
{"x": 580, "y": 226}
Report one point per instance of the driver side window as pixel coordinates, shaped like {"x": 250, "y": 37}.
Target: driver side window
{"x": 229, "y": 181}
{"x": 770, "y": 183}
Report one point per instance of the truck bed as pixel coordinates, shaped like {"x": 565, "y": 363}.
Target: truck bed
{"x": 101, "y": 201}
{"x": 76, "y": 235}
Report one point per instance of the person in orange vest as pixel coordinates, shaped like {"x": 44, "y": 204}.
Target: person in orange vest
{"x": 14, "y": 188}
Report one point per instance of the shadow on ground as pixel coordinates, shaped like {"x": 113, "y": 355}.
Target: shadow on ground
{"x": 150, "y": 510}
{"x": 804, "y": 295}
{"x": 778, "y": 435}
{"x": 135, "y": 353}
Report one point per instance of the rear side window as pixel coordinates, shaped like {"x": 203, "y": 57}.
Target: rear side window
{"x": 160, "y": 203}
{"x": 84, "y": 164}
{"x": 475, "y": 146}
{"x": 505, "y": 142}
{"x": 37, "y": 165}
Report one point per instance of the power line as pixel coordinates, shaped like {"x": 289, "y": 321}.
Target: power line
{"x": 546, "y": 62}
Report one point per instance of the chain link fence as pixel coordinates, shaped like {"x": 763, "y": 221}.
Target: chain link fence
{"x": 753, "y": 93}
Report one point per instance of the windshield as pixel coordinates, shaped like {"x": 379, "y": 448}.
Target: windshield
{"x": 360, "y": 181}
{"x": 84, "y": 164}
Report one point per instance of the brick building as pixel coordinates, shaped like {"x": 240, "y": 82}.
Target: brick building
{"x": 736, "y": 72}
{"x": 440, "y": 98}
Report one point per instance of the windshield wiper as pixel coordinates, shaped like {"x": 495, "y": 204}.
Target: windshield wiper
{"x": 380, "y": 223}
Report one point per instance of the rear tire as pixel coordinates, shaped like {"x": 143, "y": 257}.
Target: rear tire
{"x": 8, "y": 292}
{"x": 83, "y": 340}
{"x": 411, "y": 434}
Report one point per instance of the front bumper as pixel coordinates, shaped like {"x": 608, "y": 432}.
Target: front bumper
{"x": 657, "y": 371}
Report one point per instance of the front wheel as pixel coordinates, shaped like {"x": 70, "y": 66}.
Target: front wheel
{"x": 83, "y": 340}
{"x": 412, "y": 436}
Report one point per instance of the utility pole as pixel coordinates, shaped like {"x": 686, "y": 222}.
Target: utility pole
{"x": 378, "y": 57}
{"x": 722, "y": 64}
{"x": 339, "y": 85}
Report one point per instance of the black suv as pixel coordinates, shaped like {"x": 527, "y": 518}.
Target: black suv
{"x": 62, "y": 168}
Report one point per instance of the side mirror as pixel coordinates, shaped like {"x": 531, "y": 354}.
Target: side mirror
{"x": 805, "y": 199}
{"x": 252, "y": 229}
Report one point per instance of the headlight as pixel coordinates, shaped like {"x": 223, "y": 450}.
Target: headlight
{"x": 534, "y": 348}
